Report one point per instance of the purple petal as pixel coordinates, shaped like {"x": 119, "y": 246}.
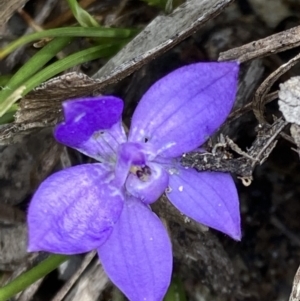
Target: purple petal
{"x": 152, "y": 187}
{"x": 210, "y": 198}
{"x": 74, "y": 210}
{"x": 93, "y": 126}
{"x": 137, "y": 256}
{"x": 180, "y": 111}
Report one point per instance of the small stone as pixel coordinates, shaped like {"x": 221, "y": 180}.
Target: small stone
{"x": 289, "y": 100}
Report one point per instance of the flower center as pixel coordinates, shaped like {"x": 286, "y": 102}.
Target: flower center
{"x": 142, "y": 172}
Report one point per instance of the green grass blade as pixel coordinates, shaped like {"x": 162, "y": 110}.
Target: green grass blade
{"x": 9, "y": 115}
{"x": 37, "y": 62}
{"x": 7, "y": 99}
{"x": 33, "y": 65}
{"x": 100, "y": 32}
{"x": 13, "y": 96}
{"x": 166, "y": 5}
{"x": 68, "y": 62}
{"x": 4, "y": 79}
{"x": 81, "y": 15}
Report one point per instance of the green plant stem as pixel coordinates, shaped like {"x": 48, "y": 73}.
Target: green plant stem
{"x": 26, "y": 279}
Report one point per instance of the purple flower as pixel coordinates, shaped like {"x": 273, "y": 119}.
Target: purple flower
{"x": 105, "y": 206}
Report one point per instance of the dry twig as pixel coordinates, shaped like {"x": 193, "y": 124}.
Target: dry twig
{"x": 222, "y": 159}
{"x": 278, "y": 42}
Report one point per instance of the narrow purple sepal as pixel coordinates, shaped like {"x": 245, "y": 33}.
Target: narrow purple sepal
{"x": 180, "y": 111}
{"x": 92, "y": 125}
{"x": 151, "y": 188}
{"x": 209, "y": 198}
{"x": 74, "y": 210}
{"x": 137, "y": 256}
